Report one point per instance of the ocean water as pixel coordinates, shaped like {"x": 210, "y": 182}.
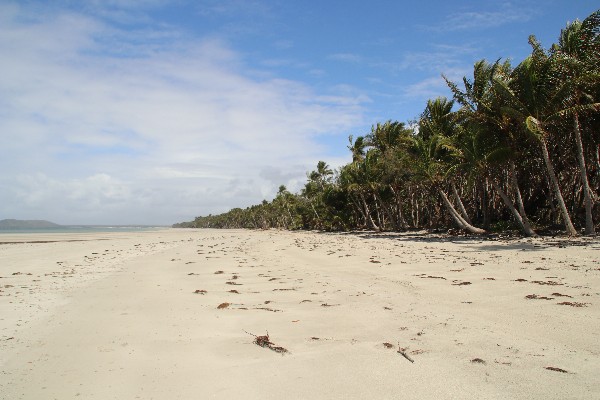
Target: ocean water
{"x": 85, "y": 229}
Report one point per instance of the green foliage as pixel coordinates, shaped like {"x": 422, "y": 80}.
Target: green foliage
{"x": 482, "y": 142}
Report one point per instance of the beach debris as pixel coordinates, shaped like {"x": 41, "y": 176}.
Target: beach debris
{"x": 267, "y": 309}
{"x": 388, "y": 345}
{"x": 573, "y": 304}
{"x": 234, "y": 291}
{"x": 265, "y": 341}
{"x": 478, "y": 361}
{"x": 232, "y": 283}
{"x": 557, "y": 369}
{"x": 219, "y": 272}
{"x": 536, "y": 297}
{"x": 223, "y": 305}
{"x": 458, "y": 283}
{"x": 200, "y": 291}
{"x": 433, "y": 277}
{"x": 552, "y": 283}
{"x": 561, "y": 295}
{"x": 402, "y": 350}
{"x": 520, "y": 280}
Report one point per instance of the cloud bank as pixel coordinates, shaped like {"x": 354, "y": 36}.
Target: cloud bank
{"x": 102, "y": 124}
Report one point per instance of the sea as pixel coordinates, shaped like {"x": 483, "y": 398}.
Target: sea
{"x": 85, "y": 229}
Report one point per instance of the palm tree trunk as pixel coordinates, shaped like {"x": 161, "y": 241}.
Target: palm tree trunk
{"x": 400, "y": 221}
{"x": 461, "y": 206}
{"x": 589, "y": 222}
{"x": 515, "y": 187}
{"x": 525, "y": 227}
{"x": 370, "y": 220}
{"x": 459, "y": 220}
{"x": 554, "y": 181}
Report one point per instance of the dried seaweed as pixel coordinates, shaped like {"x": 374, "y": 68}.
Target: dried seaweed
{"x": 573, "y": 304}
{"x": 557, "y": 369}
{"x": 551, "y": 283}
{"x": 561, "y": 295}
{"x": 536, "y": 297}
{"x": 265, "y": 341}
{"x": 200, "y": 291}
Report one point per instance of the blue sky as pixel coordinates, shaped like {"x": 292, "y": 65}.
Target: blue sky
{"x": 156, "y": 111}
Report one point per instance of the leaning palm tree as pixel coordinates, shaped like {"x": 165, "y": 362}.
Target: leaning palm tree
{"x": 486, "y": 142}
{"x": 534, "y": 98}
{"x": 433, "y": 169}
{"x": 578, "y": 61}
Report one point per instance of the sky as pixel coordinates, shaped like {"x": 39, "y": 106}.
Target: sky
{"x": 158, "y": 111}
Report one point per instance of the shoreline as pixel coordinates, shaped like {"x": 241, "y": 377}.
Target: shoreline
{"x": 136, "y": 314}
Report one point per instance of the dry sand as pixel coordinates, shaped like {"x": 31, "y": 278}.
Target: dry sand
{"x": 116, "y": 316}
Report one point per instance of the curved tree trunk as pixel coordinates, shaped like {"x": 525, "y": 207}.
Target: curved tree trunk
{"x": 515, "y": 186}
{"x": 461, "y": 206}
{"x": 589, "y": 221}
{"x": 524, "y": 226}
{"x": 370, "y": 220}
{"x": 554, "y": 182}
{"x": 457, "y": 217}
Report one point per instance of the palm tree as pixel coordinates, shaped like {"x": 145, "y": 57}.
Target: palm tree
{"x": 534, "y": 97}
{"x": 578, "y": 58}
{"x": 485, "y": 142}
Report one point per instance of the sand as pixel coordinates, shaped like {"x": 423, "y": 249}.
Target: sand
{"x": 136, "y": 316}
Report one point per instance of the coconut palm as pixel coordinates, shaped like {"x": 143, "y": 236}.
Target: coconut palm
{"x": 534, "y": 98}
{"x": 578, "y": 61}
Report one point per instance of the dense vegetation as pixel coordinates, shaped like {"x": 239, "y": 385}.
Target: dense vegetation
{"x": 515, "y": 148}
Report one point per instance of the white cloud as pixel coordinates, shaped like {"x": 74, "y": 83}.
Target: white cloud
{"x": 117, "y": 129}
{"x": 474, "y": 20}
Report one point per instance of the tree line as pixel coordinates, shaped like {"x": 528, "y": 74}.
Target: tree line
{"x": 516, "y": 147}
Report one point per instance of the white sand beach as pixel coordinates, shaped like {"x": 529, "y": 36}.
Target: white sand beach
{"x": 135, "y": 316}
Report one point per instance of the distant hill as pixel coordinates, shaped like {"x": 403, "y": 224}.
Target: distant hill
{"x": 26, "y": 224}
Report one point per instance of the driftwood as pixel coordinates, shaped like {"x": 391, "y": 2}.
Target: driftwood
{"x": 403, "y": 352}
{"x": 264, "y": 341}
